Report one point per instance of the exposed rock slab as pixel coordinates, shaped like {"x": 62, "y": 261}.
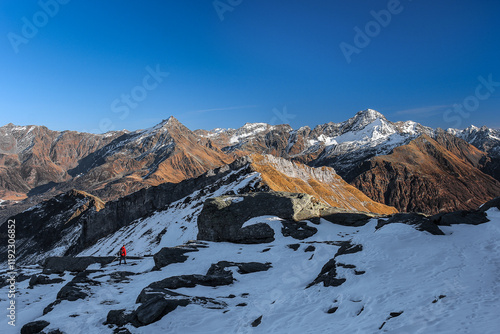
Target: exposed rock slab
{"x": 42, "y": 279}
{"x": 34, "y": 327}
{"x": 222, "y": 218}
{"x": 59, "y": 265}
{"x": 169, "y": 255}
{"x": 419, "y": 221}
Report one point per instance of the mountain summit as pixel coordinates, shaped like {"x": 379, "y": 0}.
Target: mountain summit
{"x": 364, "y": 118}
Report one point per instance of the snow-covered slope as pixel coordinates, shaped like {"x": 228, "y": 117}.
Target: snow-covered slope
{"x": 175, "y": 225}
{"x": 400, "y": 281}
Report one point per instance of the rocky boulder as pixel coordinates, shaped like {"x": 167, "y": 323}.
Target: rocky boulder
{"x": 419, "y": 221}
{"x": 222, "y": 218}
{"x": 34, "y": 327}
{"x": 494, "y": 203}
{"x": 328, "y": 275}
{"x": 460, "y": 217}
{"x": 190, "y": 281}
{"x": 42, "y": 279}
{"x": 155, "y": 308}
{"x": 347, "y": 218}
{"x": 169, "y": 255}
{"x": 76, "y": 289}
{"x": 470, "y": 217}
{"x": 297, "y": 230}
{"x": 243, "y": 267}
{"x": 59, "y": 265}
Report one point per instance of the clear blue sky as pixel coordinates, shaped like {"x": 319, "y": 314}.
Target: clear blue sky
{"x": 77, "y": 69}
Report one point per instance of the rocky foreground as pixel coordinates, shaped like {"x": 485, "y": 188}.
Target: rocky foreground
{"x": 301, "y": 269}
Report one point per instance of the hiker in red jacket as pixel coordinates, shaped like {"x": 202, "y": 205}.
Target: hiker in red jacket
{"x": 123, "y": 254}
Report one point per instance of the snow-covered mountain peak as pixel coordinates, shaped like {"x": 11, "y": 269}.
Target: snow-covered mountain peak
{"x": 249, "y": 130}
{"x": 365, "y": 117}
{"x": 253, "y": 126}
{"x": 371, "y": 113}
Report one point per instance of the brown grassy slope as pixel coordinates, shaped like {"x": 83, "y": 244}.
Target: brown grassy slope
{"x": 322, "y": 183}
{"x": 424, "y": 176}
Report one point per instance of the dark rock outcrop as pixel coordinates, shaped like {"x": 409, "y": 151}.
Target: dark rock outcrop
{"x": 157, "y": 300}
{"x": 71, "y": 293}
{"x": 255, "y": 234}
{"x": 222, "y": 219}
{"x": 34, "y": 327}
{"x": 76, "y": 288}
{"x": 475, "y": 217}
{"x": 419, "y": 221}
{"x": 117, "y": 317}
{"x": 139, "y": 204}
{"x": 339, "y": 217}
{"x": 169, "y": 255}
{"x": 7, "y": 279}
{"x": 46, "y": 226}
{"x": 216, "y": 276}
{"x": 328, "y": 275}
{"x": 42, "y": 279}
{"x": 243, "y": 267}
{"x": 155, "y": 308}
{"x": 310, "y": 248}
{"x": 148, "y": 293}
{"x": 469, "y": 217}
{"x": 190, "y": 281}
{"x": 346, "y": 247}
{"x": 257, "y": 322}
{"x": 332, "y": 310}
{"x": 75, "y": 264}
{"x": 297, "y": 230}
{"x": 51, "y": 306}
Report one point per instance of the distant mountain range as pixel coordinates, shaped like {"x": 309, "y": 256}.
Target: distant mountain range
{"x": 400, "y": 164}
{"x": 240, "y": 226}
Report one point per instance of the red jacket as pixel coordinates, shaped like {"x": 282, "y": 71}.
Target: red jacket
{"x": 123, "y": 251}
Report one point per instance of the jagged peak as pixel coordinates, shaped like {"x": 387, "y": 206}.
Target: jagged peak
{"x": 362, "y": 119}
{"x": 166, "y": 125}
{"x": 14, "y": 127}
{"x": 170, "y": 121}
{"x": 252, "y": 126}
{"x": 368, "y": 115}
